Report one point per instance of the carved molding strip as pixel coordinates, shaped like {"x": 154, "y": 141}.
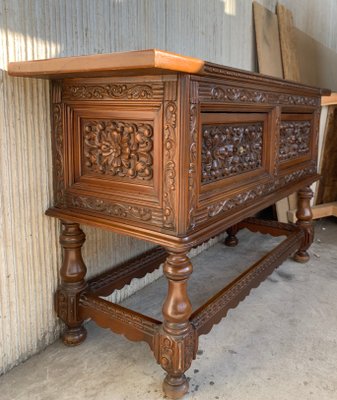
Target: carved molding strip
{"x": 204, "y": 319}
{"x": 118, "y": 148}
{"x": 230, "y": 149}
{"x": 214, "y": 69}
{"x": 192, "y": 172}
{"x": 122, "y": 274}
{"x": 112, "y": 209}
{"x": 59, "y": 186}
{"x": 113, "y": 91}
{"x": 135, "y": 323}
{"x": 260, "y": 190}
{"x": 170, "y": 117}
{"x": 233, "y": 94}
{"x": 294, "y": 139}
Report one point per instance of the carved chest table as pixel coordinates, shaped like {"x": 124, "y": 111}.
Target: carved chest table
{"x": 173, "y": 150}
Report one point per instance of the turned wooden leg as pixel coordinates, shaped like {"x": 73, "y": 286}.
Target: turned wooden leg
{"x": 304, "y": 220}
{"x": 176, "y": 342}
{"x": 72, "y": 273}
{"x": 231, "y": 240}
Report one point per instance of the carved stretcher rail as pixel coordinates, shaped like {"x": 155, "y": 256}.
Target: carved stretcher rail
{"x": 118, "y": 277}
{"x": 134, "y": 326}
{"x": 217, "y": 307}
{"x": 138, "y": 327}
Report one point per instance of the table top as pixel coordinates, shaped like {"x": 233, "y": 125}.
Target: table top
{"x": 142, "y": 62}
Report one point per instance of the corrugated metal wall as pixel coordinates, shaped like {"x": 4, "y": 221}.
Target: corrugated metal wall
{"x": 217, "y": 30}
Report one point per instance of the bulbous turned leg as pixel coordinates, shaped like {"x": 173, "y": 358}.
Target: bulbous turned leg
{"x": 176, "y": 341}
{"x": 231, "y": 240}
{"x": 304, "y": 220}
{"x": 72, "y": 273}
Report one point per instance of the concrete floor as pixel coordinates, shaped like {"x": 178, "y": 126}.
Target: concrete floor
{"x": 279, "y": 344}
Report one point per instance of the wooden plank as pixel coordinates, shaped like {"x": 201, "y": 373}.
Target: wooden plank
{"x": 321, "y": 141}
{"x": 327, "y": 188}
{"x": 282, "y": 207}
{"x": 290, "y": 61}
{"x": 267, "y": 41}
{"x": 270, "y": 63}
{"x": 329, "y": 100}
{"x": 317, "y": 63}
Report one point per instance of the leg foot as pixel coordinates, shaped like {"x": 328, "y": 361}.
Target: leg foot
{"x": 175, "y": 387}
{"x": 74, "y": 336}
{"x": 304, "y": 220}
{"x": 302, "y": 257}
{"x": 176, "y": 341}
{"x": 231, "y": 240}
{"x": 72, "y": 273}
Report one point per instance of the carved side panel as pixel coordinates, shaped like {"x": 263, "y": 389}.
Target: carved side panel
{"x": 118, "y": 148}
{"x": 230, "y": 149}
{"x": 295, "y": 137}
{"x": 58, "y": 145}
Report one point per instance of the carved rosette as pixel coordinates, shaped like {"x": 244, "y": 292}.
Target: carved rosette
{"x": 110, "y": 91}
{"x": 192, "y": 172}
{"x": 294, "y": 139}
{"x": 170, "y": 115}
{"x": 112, "y": 209}
{"x": 230, "y": 149}
{"x": 176, "y": 353}
{"x": 118, "y": 148}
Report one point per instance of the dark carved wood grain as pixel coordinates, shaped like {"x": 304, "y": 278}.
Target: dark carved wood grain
{"x": 118, "y": 148}
{"x": 230, "y": 149}
{"x": 294, "y": 139}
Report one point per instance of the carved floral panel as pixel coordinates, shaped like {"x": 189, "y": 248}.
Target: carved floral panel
{"x": 294, "y": 139}
{"x": 230, "y": 149}
{"x": 118, "y": 148}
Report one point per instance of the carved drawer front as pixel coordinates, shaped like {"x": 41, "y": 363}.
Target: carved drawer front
{"x": 234, "y": 149}
{"x": 296, "y": 139}
{"x": 114, "y": 159}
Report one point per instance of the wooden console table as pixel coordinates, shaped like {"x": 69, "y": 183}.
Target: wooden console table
{"x": 173, "y": 150}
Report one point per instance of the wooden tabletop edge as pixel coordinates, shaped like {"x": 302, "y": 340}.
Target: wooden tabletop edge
{"x": 119, "y": 61}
